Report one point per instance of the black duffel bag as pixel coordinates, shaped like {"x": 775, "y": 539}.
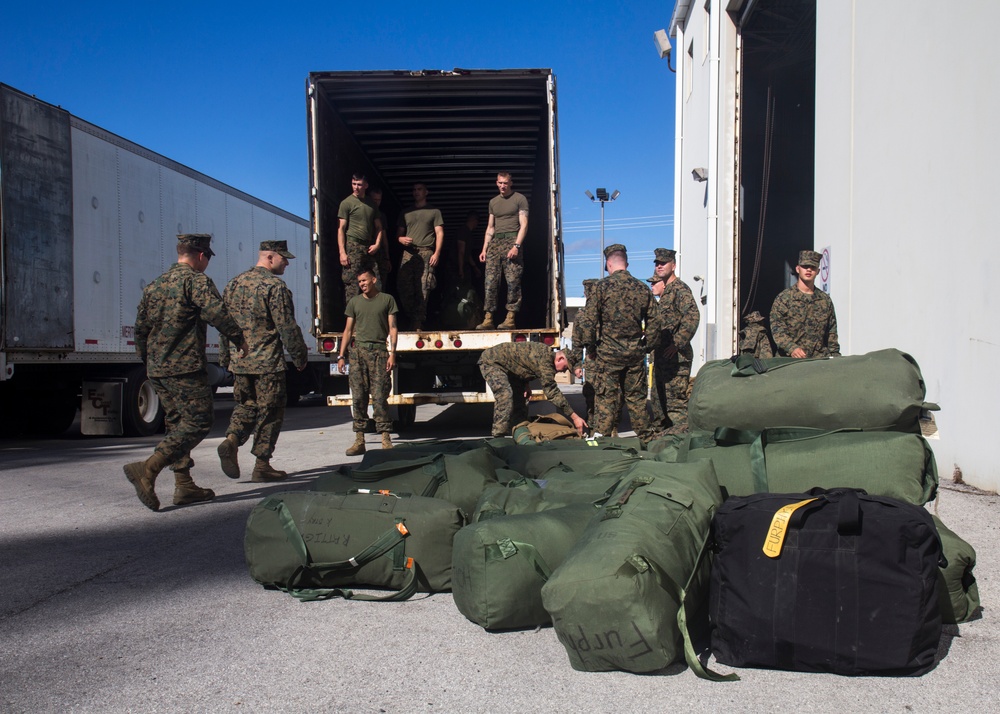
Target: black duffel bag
{"x": 830, "y": 581}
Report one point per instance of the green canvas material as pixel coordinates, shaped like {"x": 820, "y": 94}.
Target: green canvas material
{"x": 402, "y": 451}
{"x": 306, "y": 543}
{"x": 458, "y": 478}
{"x": 619, "y": 597}
{"x": 958, "y": 590}
{"x": 883, "y": 463}
{"x": 878, "y": 390}
{"x": 527, "y": 496}
{"x": 499, "y": 565}
{"x": 534, "y": 460}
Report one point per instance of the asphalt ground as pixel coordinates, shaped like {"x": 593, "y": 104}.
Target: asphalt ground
{"x": 106, "y": 606}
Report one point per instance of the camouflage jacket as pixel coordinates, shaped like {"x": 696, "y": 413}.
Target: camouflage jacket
{"x": 614, "y": 318}
{"x": 262, "y": 305}
{"x": 528, "y": 361}
{"x": 172, "y": 321}
{"x": 799, "y": 319}
{"x": 679, "y": 317}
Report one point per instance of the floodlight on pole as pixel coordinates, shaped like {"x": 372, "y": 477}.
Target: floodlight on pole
{"x": 602, "y": 198}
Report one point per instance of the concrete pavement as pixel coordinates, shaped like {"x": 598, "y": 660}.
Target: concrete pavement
{"x": 106, "y": 606}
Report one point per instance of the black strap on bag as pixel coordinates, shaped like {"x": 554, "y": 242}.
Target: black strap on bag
{"x": 392, "y": 540}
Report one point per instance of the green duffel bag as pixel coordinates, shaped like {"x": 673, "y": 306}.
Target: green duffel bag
{"x": 535, "y": 459}
{"x": 458, "y": 478}
{"x": 526, "y": 496}
{"x": 883, "y": 463}
{"x": 619, "y": 600}
{"x": 878, "y": 390}
{"x": 499, "y": 565}
{"x": 957, "y": 588}
{"x": 314, "y": 545}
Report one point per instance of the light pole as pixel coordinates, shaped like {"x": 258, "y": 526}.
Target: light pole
{"x": 603, "y": 197}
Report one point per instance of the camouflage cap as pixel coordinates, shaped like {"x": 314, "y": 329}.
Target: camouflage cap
{"x": 201, "y": 242}
{"x": 654, "y": 280}
{"x": 573, "y": 357}
{"x": 277, "y": 246}
{"x": 754, "y": 318}
{"x": 615, "y": 248}
{"x": 809, "y": 258}
{"x": 664, "y": 255}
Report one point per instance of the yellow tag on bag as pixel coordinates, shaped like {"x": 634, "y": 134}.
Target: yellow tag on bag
{"x": 779, "y": 526}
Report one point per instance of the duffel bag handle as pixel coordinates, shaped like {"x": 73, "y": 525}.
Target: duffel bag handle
{"x": 746, "y": 365}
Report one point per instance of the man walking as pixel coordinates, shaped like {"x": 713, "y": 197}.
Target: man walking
{"x": 359, "y": 235}
{"x": 170, "y": 329}
{"x": 679, "y": 316}
{"x": 803, "y": 321}
{"x": 503, "y": 251}
{"x": 371, "y": 317}
{"x": 421, "y": 233}
{"x": 509, "y": 367}
{"x": 261, "y": 303}
{"x": 620, "y": 307}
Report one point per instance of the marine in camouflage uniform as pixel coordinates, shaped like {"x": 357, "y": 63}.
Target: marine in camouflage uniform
{"x": 371, "y": 318}
{"x": 679, "y": 316}
{"x": 753, "y": 337}
{"x": 359, "y": 235}
{"x": 262, "y": 304}
{"x": 803, "y": 321}
{"x": 171, "y": 324}
{"x": 509, "y": 367}
{"x": 421, "y": 233}
{"x": 620, "y": 309}
{"x": 585, "y": 343}
{"x": 503, "y": 252}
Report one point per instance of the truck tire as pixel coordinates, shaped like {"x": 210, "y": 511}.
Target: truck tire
{"x": 49, "y": 413}
{"x": 406, "y": 415}
{"x": 142, "y": 413}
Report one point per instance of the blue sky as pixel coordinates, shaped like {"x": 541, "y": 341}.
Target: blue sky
{"x": 219, "y": 86}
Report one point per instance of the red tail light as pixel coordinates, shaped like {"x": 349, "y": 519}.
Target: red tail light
{"x": 328, "y": 345}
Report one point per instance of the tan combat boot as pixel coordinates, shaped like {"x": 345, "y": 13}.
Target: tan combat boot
{"x": 262, "y": 471}
{"x": 487, "y": 323}
{"x": 186, "y": 491}
{"x": 386, "y": 440}
{"x": 228, "y": 451}
{"x": 508, "y": 324}
{"x": 359, "y": 445}
{"x": 142, "y": 475}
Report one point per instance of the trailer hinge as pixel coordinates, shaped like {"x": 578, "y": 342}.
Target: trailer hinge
{"x": 315, "y": 237}
{"x": 313, "y": 192}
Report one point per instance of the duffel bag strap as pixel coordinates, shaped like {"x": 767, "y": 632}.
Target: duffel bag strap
{"x": 746, "y": 365}
{"x": 391, "y": 540}
{"x": 506, "y": 548}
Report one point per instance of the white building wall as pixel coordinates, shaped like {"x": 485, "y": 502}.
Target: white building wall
{"x": 906, "y": 160}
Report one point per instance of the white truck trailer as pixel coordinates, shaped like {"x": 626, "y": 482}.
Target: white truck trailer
{"x": 453, "y": 130}
{"x": 87, "y": 219}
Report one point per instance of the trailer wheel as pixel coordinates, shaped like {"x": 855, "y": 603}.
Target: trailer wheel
{"x": 48, "y": 414}
{"x": 406, "y": 415}
{"x": 142, "y": 413}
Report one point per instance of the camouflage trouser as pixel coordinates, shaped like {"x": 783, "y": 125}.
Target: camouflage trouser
{"x": 590, "y": 393}
{"x": 187, "y": 401}
{"x": 671, "y": 379}
{"x": 260, "y": 410}
{"x": 415, "y": 282}
{"x": 368, "y": 378}
{"x": 510, "y": 406}
{"x": 358, "y": 259}
{"x": 614, "y": 383}
{"x": 497, "y": 264}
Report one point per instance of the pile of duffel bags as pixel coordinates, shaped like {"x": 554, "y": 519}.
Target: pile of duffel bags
{"x": 787, "y": 530}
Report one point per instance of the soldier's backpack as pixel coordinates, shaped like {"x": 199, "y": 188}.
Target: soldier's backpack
{"x": 458, "y": 478}
{"x": 499, "y": 565}
{"x": 959, "y": 593}
{"x": 878, "y": 390}
{"x": 619, "y": 600}
{"x": 315, "y": 545}
{"x": 884, "y": 463}
{"x": 830, "y": 581}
